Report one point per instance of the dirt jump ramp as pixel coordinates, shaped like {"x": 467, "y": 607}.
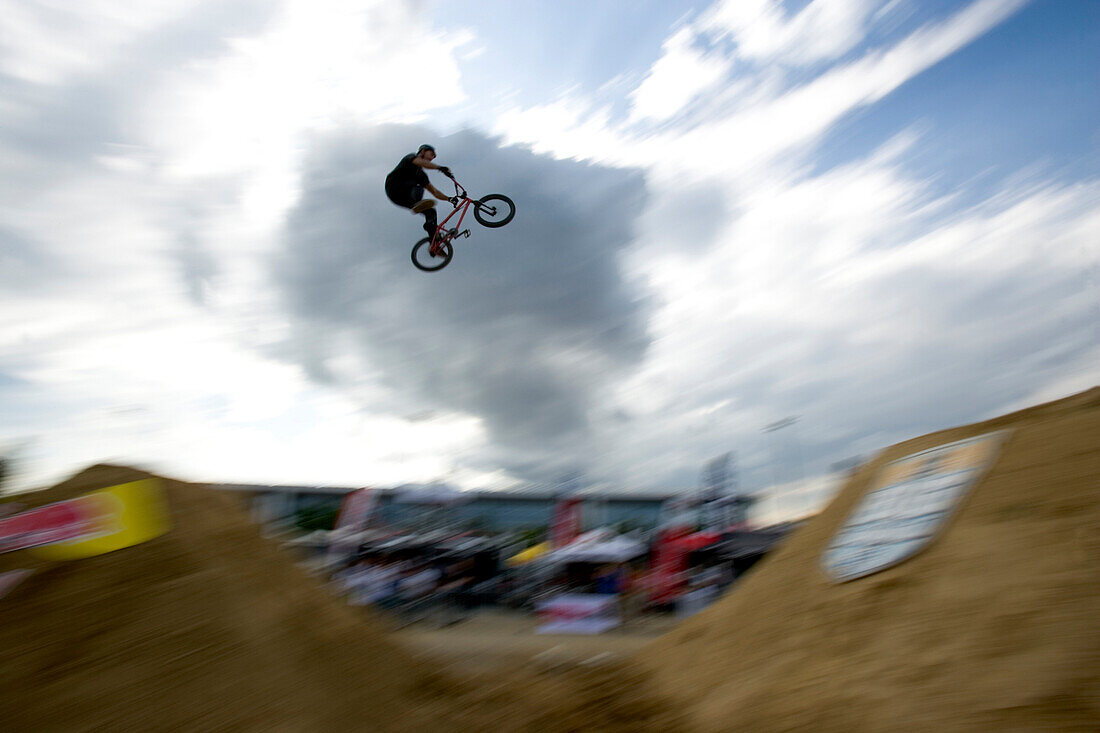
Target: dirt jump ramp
{"x": 992, "y": 623}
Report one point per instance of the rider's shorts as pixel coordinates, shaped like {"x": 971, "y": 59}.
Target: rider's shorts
{"x": 404, "y": 193}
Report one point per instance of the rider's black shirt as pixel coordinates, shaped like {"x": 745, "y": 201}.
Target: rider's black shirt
{"x": 408, "y": 172}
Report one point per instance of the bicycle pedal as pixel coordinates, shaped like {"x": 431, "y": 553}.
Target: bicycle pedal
{"x": 464, "y": 233}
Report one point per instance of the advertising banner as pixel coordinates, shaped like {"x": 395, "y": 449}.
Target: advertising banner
{"x": 356, "y": 513}
{"x": 907, "y": 505}
{"x": 578, "y": 613}
{"x": 356, "y": 510}
{"x": 566, "y": 524}
{"x": 97, "y": 522}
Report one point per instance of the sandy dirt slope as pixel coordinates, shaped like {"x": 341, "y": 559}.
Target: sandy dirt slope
{"x": 994, "y": 626}
{"x": 210, "y": 627}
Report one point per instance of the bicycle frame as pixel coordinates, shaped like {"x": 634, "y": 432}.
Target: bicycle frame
{"x": 464, "y": 205}
{"x": 493, "y": 210}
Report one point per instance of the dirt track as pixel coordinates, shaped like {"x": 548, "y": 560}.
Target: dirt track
{"x": 493, "y": 640}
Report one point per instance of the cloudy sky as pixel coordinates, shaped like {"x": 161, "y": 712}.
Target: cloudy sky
{"x": 881, "y": 217}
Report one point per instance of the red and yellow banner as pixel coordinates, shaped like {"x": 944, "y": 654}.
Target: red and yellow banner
{"x": 97, "y": 522}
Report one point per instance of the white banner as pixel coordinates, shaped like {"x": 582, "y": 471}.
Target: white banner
{"x": 578, "y": 613}
{"x": 907, "y": 505}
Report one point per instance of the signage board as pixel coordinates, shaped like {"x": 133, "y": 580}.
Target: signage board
{"x": 907, "y": 505}
{"x": 577, "y": 613}
{"x": 95, "y": 523}
{"x": 357, "y": 510}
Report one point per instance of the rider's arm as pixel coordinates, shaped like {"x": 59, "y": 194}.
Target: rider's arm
{"x": 438, "y": 194}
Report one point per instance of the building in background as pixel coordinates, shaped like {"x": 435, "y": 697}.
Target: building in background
{"x": 490, "y": 511}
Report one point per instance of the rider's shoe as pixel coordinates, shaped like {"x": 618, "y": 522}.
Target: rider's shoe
{"x": 423, "y": 205}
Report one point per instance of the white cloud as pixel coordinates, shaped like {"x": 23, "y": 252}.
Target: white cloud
{"x": 149, "y": 210}
{"x": 138, "y": 320}
{"x": 821, "y": 31}
{"x": 849, "y": 294}
{"x": 525, "y": 331}
{"x": 317, "y": 66}
{"x": 565, "y": 128}
{"x": 795, "y": 282}
{"x": 760, "y": 130}
{"x": 49, "y": 42}
{"x": 681, "y": 74}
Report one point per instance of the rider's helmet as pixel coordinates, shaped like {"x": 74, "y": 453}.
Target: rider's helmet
{"x": 422, "y": 148}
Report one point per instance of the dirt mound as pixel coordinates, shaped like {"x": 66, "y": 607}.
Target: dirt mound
{"x": 993, "y": 626}
{"x": 610, "y": 697}
{"x": 212, "y": 627}
{"x": 207, "y": 627}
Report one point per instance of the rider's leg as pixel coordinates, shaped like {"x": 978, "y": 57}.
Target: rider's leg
{"x": 412, "y": 198}
{"x": 425, "y": 206}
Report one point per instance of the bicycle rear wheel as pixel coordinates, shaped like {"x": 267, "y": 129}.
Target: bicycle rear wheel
{"x": 424, "y": 260}
{"x": 494, "y": 210}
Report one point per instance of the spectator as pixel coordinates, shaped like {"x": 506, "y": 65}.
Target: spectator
{"x": 607, "y": 581}
{"x": 632, "y": 597}
{"x": 419, "y": 583}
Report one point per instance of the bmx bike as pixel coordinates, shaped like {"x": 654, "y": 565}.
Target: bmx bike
{"x": 434, "y": 253}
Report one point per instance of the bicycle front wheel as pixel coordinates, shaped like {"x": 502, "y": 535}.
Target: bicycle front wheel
{"x": 494, "y": 210}
{"x": 424, "y": 260}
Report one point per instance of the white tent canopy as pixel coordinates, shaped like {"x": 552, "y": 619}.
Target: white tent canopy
{"x": 613, "y": 550}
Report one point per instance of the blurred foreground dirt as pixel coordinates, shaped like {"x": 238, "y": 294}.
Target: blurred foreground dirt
{"x": 211, "y": 627}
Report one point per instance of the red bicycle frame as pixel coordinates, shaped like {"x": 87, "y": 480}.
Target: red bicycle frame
{"x": 464, "y": 205}
{"x": 434, "y": 251}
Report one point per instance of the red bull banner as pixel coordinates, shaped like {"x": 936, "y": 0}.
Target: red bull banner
{"x": 97, "y": 522}
{"x": 567, "y": 522}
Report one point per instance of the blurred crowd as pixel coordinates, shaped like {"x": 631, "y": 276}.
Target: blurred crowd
{"x": 444, "y": 593}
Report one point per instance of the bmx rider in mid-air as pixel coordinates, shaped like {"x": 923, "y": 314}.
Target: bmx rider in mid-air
{"x": 406, "y": 183}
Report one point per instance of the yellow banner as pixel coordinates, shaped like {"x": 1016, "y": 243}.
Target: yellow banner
{"x": 123, "y": 515}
